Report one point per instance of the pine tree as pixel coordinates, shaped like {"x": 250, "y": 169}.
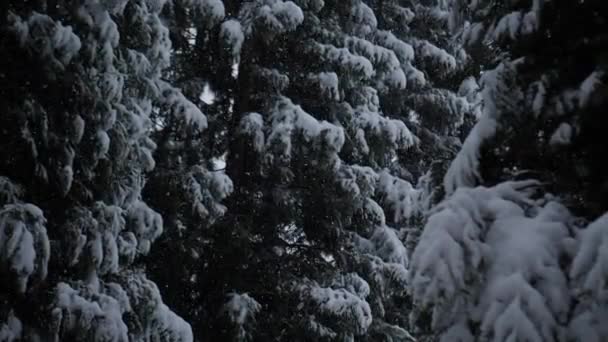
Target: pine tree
{"x": 187, "y": 186}
{"x": 303, "y": 250}
{"x": 541, "y": 99}
{"x": 80, "y": 85}
{"x": 442, "y": 89}
{"x": 321, "y": 169}
{"x": 507, "y": 259}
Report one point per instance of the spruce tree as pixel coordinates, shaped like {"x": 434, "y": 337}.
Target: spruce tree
{"x": 519, "y": 259}
{"x": 321, "y": 165}
{"x": 303, "y": 250}
{"x": 80, "y": 86}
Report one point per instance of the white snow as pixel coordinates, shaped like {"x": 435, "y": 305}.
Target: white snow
{"x": 160, "y": 50}
{"x": 448, "y": 104}
{"x": 145, "y": 223}
{"x": 389, "y": 247}
{"x": 415, "y": 77}
{"x": 11, "y": 330}
{"x": 65, "y": 177}
{"x": 46, "y": 38}
{"x": 276, "y": 16}
{"x": 588, "y": 87}
{"x": 235, "y": 70}
{"x": 398, "y": 195}
{"x": 473, "y": 33}
{"x": 516, "y": 24}
{"x": 341, "y": 304}
{"x": 364, "y": 16}
{"x": 288, "y": 121}
{"x": 589, "y": 273}
{"x": 345, "y": 60}
{"x": 78, "y": 126}
{"x": 464, "y": 169}
{"x": 526, "y": 292}
{"x": 353, "y": 283}
{"x": 562, "y": 135}
{"x": 127, "y": 246}
{"x": 274, "y": 78}
{"x": 232, "y": 33}
{"x": 530, "y": 23}
{"x": 9, "y": 191}
{"x": 288, "y": 13}
{"x": 101, "y": 239}
{"x": 181, "y": 108}
{"x": 359, "y": 181}
{"x": 328, "y": 84}
{"x": 157, "y": 321}
{"x": 212, "y": 10}
{"x": 468, "y": 87}
{"x": 403, "y": 50}
{"x": 396, "y": 78}
{"x": 95, "y": 313}
{"x": 484, "y": 258}
{"x": 540, "y": 98}
{"x": 509, "y": 25}
{"x": 102, "y": 143}
{"x": 111, "y": 86}
{"x": 587, "y": 267}
{"x": 252, "y": 125}
{"x": 374, "y": 213}
{"x": 241, "y": 309}
{"x": 404, "y": 14}
{"x": 99, "y": 320}
{"x": 394, "y": 132}
{"x": 24, "y": 244}
{"x": 116, "y": 7}
{"x": 208, "y": 95}
{"x": 381, "y": 58}
{"x": 438, "y": 56}
{"x": 206, "y": 189}
{"x": 138, "y": 62}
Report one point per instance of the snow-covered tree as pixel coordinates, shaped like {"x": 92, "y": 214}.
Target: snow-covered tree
{"x": 80, "y": 83}
{"x": 539, "y": 111}
{"x": 297, "y": 110}
{"x": 508, "y": 260}
{"x": 498, "y": 264}
{"x": 442, "y": 93}
{"x": 189, "y": 184}
{"x": 319, "y": 148}
{"x": 439, "y": 101}
{"x": 489, "y": 265}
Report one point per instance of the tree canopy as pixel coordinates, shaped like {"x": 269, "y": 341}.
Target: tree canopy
{"x": 304, "y": 170}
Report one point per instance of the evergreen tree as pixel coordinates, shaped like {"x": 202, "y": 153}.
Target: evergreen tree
{"x": 319, "y": 168}
{"x": 303, "y": 250}
{"x": 187, "y": 186}
{"x": 537, "y": 98}
{"x": 442, "y": 89}
{"x": 506, "y": 259}
{"x": 80, "y": 87}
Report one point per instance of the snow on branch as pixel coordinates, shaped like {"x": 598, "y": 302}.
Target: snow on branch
{"x": 24, "y": 244}
{"x": 491, "y": 256}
